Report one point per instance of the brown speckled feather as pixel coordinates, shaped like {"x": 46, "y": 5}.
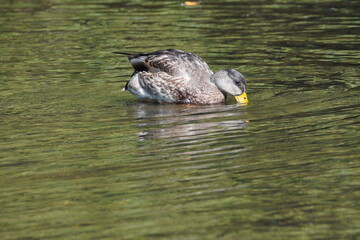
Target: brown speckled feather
{"x": 179, "y": 63}
{"x": 166, "y": 88}
{"x": 176, "y": 76}
{"x": 172, "y": 61}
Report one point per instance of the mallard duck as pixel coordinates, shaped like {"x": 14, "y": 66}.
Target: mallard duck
{"x": 176, "y": 76}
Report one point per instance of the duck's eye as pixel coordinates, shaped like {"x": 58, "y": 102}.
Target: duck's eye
{"x": 237, "y": 82}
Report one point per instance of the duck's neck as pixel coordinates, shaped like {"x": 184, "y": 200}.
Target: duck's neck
{"x": 216, "y": 78}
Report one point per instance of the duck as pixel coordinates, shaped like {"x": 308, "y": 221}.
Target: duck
{"x": 176, "y": 76}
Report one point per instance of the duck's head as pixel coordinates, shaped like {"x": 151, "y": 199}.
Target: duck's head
{"x": 232, "y": 82}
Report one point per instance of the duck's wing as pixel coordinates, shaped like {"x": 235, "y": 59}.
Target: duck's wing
{"x": 163, "y": 87}
{"x": 174, "y": 62}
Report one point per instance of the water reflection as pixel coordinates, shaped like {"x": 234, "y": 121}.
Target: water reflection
{"x": 178, "y": 133}
{"x": 186, "y": 122}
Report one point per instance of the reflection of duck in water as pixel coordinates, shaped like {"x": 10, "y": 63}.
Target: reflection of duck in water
{"x": 180, "y": 123}
{"x": 175, "y": 76}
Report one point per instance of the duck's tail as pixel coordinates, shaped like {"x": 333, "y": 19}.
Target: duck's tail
{"x": 123, "y": 53}
{"x": 128, "y": 55}
{"x": 131, "y": 55}
{"x": 137, "y": 61}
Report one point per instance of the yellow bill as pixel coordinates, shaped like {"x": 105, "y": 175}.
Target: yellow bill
{"x": 242, "y": 98}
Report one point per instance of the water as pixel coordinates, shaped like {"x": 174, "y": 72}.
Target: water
{"x": 82, "y": 160}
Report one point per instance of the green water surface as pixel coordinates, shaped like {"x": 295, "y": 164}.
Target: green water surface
{"x": 79, "y": 159}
